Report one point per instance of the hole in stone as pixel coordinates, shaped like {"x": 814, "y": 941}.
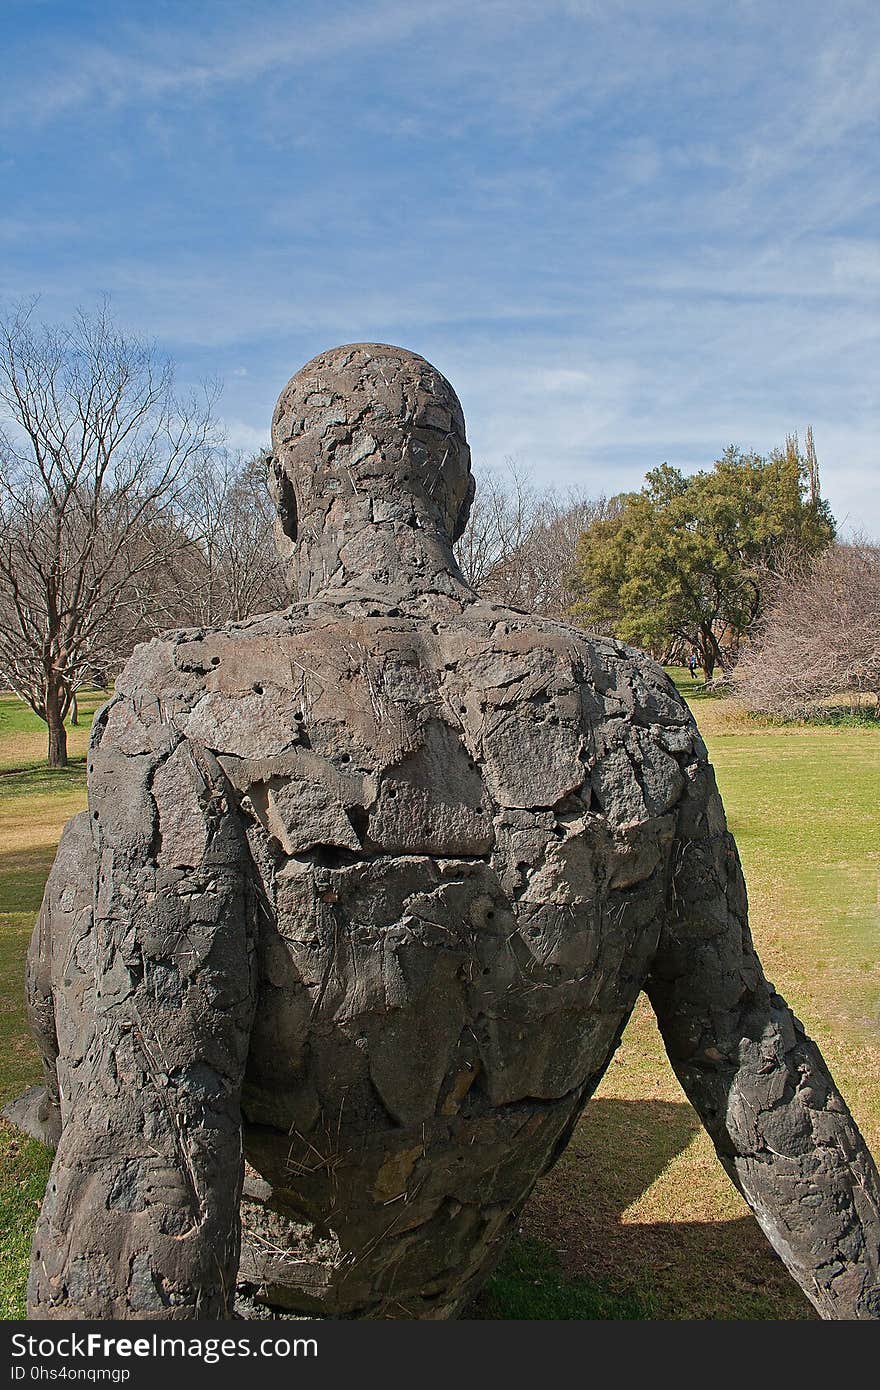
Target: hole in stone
{"x": 392, "y": 792}
{"x": 345, "y": 758}
{"x": 299, "y": 716}
{"x": 215, "y": 661}
{"x": 258, "y": 689}
{"x": 331, "y": 856}
{"x": 359, "y": 821}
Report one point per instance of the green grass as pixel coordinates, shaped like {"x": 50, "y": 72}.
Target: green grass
{"x": 18, "y": 718}
{"x": 637, "y": 1220}
{"x": 693, "y": 689}
{"x": 855, "y": 711}
{"x": 24, "y": 737}
{"x": 25, "y": 1167}
{"x": 531, "y": 1284}
{"x": 35, "y": 802}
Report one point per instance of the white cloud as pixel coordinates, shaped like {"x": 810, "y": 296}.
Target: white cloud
{"x": 639, "y": 232}
{"x": 146, "y": 63}
{"x": 242, "y": 435}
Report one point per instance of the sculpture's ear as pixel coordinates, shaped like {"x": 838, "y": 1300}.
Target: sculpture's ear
{"x": 283, "y": 495}
{"x": 464, "y": 510}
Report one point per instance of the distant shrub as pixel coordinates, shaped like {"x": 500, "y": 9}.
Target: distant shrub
{"x": 819, "y": 642}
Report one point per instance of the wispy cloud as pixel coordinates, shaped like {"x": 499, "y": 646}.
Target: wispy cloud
{"x": 626, "y": 232}
{"x": 146, "y": 63}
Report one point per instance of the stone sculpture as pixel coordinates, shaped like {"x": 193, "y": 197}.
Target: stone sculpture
{"x": 366, "y": 892}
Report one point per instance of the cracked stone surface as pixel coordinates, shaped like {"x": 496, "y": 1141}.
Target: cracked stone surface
{"x": 365, "y": 895}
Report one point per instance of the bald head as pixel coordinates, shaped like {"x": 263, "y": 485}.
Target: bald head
{"x": 368, "y": 440}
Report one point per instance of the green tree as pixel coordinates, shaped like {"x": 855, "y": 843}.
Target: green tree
{"x": 685, "y": 560}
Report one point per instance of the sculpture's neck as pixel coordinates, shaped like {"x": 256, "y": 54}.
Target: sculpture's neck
{"x": 377, "y": 556}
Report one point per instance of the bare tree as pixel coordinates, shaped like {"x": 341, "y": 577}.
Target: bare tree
{"x": 94, "y": 445}
{"x": 229, "y": 567}
{"x": 501, "y": 516}
{"x": 538, "y": 576}
{"x": 520, "y": 544}
{"x": 820, "y": 636}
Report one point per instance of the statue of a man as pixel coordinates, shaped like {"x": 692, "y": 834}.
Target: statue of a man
{"x": 365, "y": 894}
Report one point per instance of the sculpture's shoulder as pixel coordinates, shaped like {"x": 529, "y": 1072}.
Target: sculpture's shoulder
{"x": 554, "y": 712}
{"x": 317, "y": 677}
{"x": 519, "y": 658}
{"x": 538, "y": 709}
{"x": 167, "y": 680}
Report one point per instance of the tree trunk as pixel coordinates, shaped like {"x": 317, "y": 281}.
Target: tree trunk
{"x": 57, "y": 745}
{"x": 710, "y": 651}
{"x": 57, "y": 731}
{"x": 74, "y": 713}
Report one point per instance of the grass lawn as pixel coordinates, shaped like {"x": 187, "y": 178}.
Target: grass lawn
{"x": 35, "y": 802}
{"x": 637, "y": 1220}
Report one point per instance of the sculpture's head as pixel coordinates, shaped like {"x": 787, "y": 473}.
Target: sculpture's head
{"x": 367, "y": 441}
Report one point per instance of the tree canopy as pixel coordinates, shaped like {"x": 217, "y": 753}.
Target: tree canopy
{"x": 684, "y": 560}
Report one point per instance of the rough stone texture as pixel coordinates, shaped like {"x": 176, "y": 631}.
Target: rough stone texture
{"x": 366, "y": 893}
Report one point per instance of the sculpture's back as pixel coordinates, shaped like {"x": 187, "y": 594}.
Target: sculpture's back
{"x": 457, "y": 930}
{"x": 379, "y": 880}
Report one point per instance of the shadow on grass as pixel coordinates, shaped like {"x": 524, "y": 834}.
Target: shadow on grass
{"x": 531, "y": 1285}
{"x": 23, "y": 874}
{"x": 19, "y": 1060}
{"x": 42, "y": 780}
{"x": 576, "y": 1256}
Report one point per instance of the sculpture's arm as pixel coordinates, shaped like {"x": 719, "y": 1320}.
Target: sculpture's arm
{"x": 41, "y": 1013}
{"x": 758, "y": 1083}
{"x": 60, "y": 947}
{"x": 140, "y": 1218}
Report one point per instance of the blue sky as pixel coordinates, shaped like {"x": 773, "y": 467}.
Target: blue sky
{"x": 627, "y": 232}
